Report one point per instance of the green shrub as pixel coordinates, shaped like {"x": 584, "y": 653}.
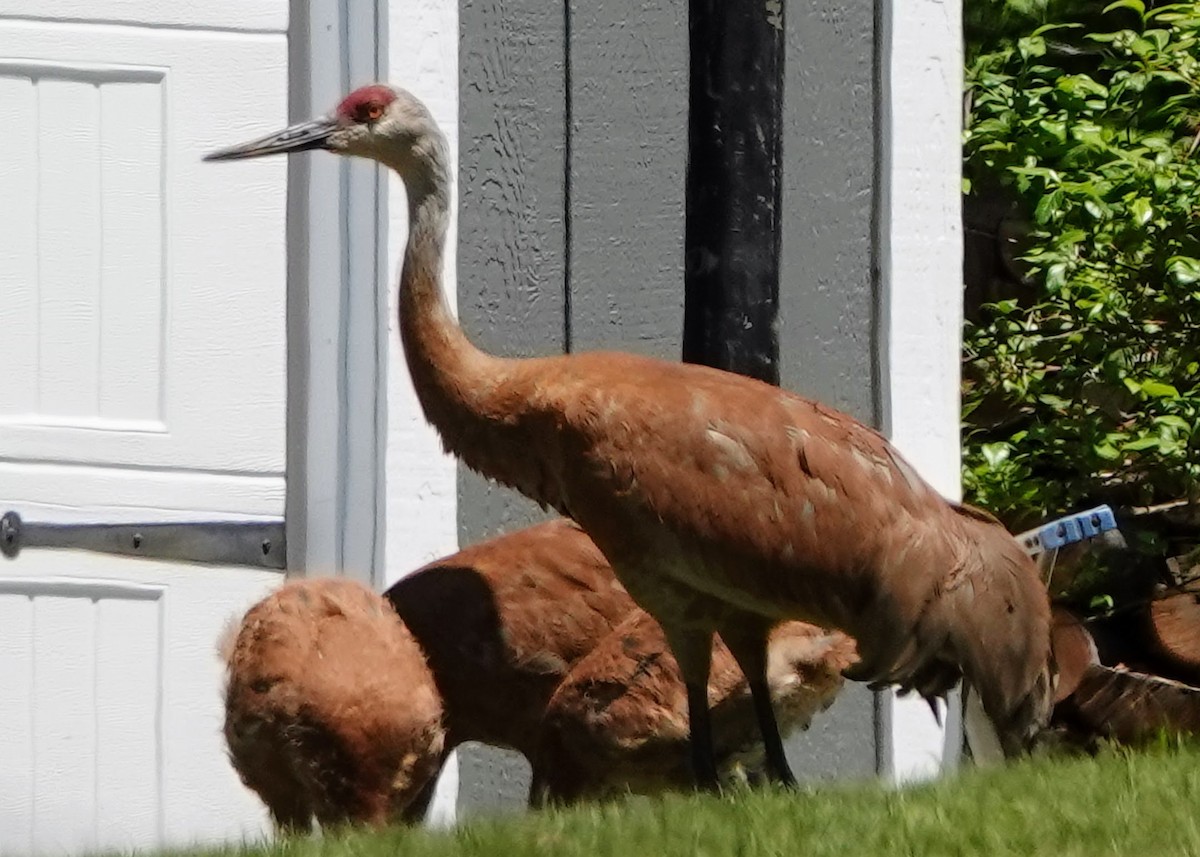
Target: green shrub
{"x": 1087, "y": 117}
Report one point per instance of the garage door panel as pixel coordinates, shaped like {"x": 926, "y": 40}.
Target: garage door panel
{"x": 17, "y": 715}
{"x": 66, "y": 207}
{"x": 131, "y": 374}
{"x": 64, "y": 733}
{"x": 252, "y": 15}
{"x": 55, "y": 491}
{"x": 128, "y": 765}
{"x": 149, "y": 291}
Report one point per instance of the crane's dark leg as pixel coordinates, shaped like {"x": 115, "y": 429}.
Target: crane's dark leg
{"x": 746, "y": 638}
{"x": 693, "y": 651}
{"x": 704, "y": 763}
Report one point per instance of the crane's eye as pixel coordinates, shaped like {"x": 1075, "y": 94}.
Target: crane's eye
{"x": 374, "y": 111}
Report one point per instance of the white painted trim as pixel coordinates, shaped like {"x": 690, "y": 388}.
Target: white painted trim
{"x": 336, "y": 350}
{"x": 422, "y": 481}
{"x": 920, "y": 252}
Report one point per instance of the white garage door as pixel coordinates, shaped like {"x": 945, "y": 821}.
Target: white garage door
{"x": 142, "y": 354}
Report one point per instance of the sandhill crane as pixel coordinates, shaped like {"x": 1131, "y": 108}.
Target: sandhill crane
{"x": 501, "y": 623}
{"x": 618, "y": 722}
{"x": 722, "y": 503}
{"x": 330, "y": 709}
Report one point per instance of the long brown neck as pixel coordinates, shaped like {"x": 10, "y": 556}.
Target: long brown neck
{"x": 455, "y": 382}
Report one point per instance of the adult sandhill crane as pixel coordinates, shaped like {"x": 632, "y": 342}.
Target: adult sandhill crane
{"x": 618, "y": 722}
{"x": 330, "y": 709}
{"x": 722, "y": 503}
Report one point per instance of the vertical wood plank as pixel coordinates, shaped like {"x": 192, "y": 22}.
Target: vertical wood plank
{"x": 131, "y": 269}
{"x": 16, "y": 715}
{"x": 18, "y": 251}
{"x": 828, "y": 303}
{"x": 628, "y": 153}
{"x": 828, "y": 315}
{"x": 69, "y": 246}
{"x": 128, "y": 682}
{"x": 511, "y": 257}
{"x": 64, "y": 734}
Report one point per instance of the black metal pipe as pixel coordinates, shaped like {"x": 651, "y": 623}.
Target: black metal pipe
{"x": 735, "y": 142}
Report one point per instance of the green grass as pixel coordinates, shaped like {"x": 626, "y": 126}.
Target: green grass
{"x": 1117, "y": 803}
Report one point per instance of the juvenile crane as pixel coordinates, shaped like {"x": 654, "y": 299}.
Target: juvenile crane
{"x": 319, "y": 723}
{"x": 617, "y": 724}
{"x": 501, "y": 622}
{"x": 722, "y": 503}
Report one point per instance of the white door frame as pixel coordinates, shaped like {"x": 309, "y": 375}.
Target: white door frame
{"x": 337, "y": 307}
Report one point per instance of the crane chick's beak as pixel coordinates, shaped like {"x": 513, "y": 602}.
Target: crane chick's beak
{"x": 301, "y": 137}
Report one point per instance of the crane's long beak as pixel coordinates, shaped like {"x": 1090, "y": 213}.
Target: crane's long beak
{"x": 301, "y": 137}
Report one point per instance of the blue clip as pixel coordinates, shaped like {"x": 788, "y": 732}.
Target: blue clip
{"x": 1069, "y": 529}
{"x": 1059, "y": 533}
{"x": 1093, "y": 522}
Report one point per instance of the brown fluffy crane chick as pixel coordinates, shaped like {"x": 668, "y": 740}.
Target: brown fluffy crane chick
{"x": 722, "y": 503}
{"x": 502, "y": 622}
{"x": 618, "y": 723}
{"x": 330, "y": 709}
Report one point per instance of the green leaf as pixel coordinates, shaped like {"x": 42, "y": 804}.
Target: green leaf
{"x": 1141, "y": 210}
{"x": 1136, "y": 5}
{"x": 1184, "y": 269}
{"x": 1160, "y": 38}
{"x": 1172, "y": 421}
{"x": 1031, "y": 46}
{"x": 1047, "y": 28}
{"x": 1047, "y": 207}
{"x": 995, "y": 454}
{"x": 1054, "y": 401}
{"x": 1056, "y": 276}
{"x": 1140, "y": 444}
{"x": 1159, "y": 390}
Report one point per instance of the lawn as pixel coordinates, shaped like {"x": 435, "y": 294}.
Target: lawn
{"x": 1117, "y": 803}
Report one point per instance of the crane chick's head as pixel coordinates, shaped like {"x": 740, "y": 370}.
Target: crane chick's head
{"x": 378, "y": 121}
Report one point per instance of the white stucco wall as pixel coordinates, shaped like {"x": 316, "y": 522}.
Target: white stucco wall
{"x": 421, "y": 479}
{"x": 921, "y": 265}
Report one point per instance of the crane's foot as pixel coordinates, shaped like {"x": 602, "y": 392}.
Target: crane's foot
{"x": 706, "y": 782}
{"x": 778, "y": 770}
{"x": 782, "y": 777}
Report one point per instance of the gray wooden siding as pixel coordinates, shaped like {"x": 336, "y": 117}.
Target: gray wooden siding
{"x": 572, "y": 155}
{"x": 512, "y": 237}
{"x": 828, "y": 307}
